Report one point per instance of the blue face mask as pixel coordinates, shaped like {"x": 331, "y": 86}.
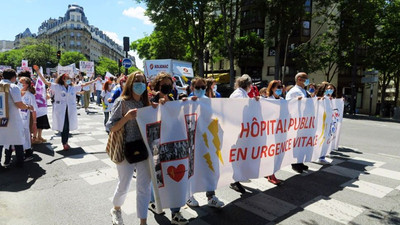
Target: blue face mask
{"x": 278, "y": 92}
{"x": 328, "y": 92}
{"x": 68, "y": 82}
{"x": 312, "y": 90}
{"x": 199, "y": 93}
{"x": 307, "y": 82}
{"x": 139, "y": 88}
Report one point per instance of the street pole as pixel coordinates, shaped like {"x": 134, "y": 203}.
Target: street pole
{"x": 370, "y": 99}
{"x": 126, "y": 69}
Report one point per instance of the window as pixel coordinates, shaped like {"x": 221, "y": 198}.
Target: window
{"x": 72, "y": 26}
{"x": 71, "y": 43}
{"x": 307, "y": 6}
{"x": 72, "y": 17}
{"x": 78, "y": 18}
{"x": 72, "y": 34}
{"x": 221, "y": 64}
{"x": 271, "y": 51}
{"x": 78, "y": 34}
{"x": 78, "y": 26}
{"x": 78, "y": 43}
{"x": 271, "y": 70}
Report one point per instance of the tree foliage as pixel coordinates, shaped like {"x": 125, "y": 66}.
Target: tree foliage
{"x": 107, "y": 65}
{"x": 68, "y": 58}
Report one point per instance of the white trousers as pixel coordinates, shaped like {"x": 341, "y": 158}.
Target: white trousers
{"x": 143, "y": 180}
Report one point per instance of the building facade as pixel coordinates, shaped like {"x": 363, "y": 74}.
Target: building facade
{"x": 74, "y": 33}
{"x": 6, "y": 45}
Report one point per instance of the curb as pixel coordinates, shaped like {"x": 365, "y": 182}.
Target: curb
{"x": 372, "y": 118}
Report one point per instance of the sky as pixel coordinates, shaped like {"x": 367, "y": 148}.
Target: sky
{"x": 117, "y": 18}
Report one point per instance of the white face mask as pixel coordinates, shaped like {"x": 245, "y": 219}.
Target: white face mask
{"x": 215, "y": 88}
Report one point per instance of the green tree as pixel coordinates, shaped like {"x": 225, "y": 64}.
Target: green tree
{"x": 11, "y": 58}
{"x": 68, "y": 58}
{"x": 107, "y": 65}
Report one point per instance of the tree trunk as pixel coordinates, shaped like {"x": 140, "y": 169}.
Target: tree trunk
{"x": 397, "y": 86}
{"x": 200, "y": 56}
{"x": 277, "y": 59}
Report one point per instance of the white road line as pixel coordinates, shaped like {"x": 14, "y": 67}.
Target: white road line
{"x": 368, "y": 188}
{"x": 367, "y": 162}
{"x": 390, "y": 156}
{"x": 129, "y": 206}
{"x": 334, "y": 209}
{"x": 386, "y": 173}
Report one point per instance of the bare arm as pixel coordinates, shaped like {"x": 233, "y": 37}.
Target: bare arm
{"x": 89, "y": 83}
{"x": 36, "y": 68}
{"x": 21, "y": 105}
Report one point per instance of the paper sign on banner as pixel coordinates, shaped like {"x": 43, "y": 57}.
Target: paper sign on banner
{"x": 2, "y": 67}
{"x": 24, "y": 63}
{"x": 66, "y": 69}
{"x": 20, "y": 69}
{"x": 219, "y": 141}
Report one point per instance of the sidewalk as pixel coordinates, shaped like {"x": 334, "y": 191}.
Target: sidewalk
{"x": 367, "y": 117}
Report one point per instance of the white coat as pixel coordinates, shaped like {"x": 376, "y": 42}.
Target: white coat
{"x": 13, "y": 134}
{"x": 62, "y": 99}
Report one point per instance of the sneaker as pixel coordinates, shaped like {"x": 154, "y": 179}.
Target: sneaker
{"x": 215, "y": 202}
{"x": 237, "y": 187}
{"x": 273, "y": 179}
{"x": 153, "y": 208}
{"x": 192, "y": 202}
{"x": 116, "y": 216}
{"x": 28, "y": 158}
{"x": 323, "y": 162}
{"x": 178, "y": 219}
{"x": 297, "y": 167}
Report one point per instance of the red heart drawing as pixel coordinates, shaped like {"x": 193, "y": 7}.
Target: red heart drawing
{"x": 176, "y": 173}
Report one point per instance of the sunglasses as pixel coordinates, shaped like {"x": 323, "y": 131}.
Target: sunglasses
{"x": 202, "y": 87}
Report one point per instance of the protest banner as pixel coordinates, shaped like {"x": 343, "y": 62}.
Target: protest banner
{"x": 205, "y": 144}
{"x": 40, "y": 96}
{"x": 4, "y": 114}
{"x": 20, "y": 69}
{"x": 109, "y": 75}
{"x": 87, "y": 67}
{"x": 2, "y": 68}
{"x": 66, "y": 69}
{"x": 24, "y": 63}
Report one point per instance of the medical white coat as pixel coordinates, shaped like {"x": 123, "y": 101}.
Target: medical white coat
{"x": 64, "y": 98}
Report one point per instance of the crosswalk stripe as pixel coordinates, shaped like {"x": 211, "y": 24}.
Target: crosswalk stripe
{"x": 367, "y": 188}
{"x": 334, "y": 209}
{"x": 386, "y": 173}
{"x": 129, "y": 206}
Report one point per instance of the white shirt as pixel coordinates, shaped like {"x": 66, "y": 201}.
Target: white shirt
{"x": 27, "y": 99}
{"x": 99, "y": 85}
{"x": 106, "y": 95}
{"x": 239, "y": 93}
{"x": 12, "y": 134}
{"x": 296, "y": 91}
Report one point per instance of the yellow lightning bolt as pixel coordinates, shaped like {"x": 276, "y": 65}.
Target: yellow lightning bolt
{"x": 209, "y": 162}
{"x": 213, "y": 128}
{"x": 323, "y": 129}
{"x": 205, "y": 139}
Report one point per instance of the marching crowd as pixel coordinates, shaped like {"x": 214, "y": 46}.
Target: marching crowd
{"x": 120, "y": 98}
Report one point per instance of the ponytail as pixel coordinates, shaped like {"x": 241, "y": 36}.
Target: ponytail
{"x": 31, "y": 85}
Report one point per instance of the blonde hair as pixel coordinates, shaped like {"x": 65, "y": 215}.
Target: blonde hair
{"x": 127, "y": 93}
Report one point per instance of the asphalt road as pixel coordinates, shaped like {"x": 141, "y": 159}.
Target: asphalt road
{"x": 361, "y": 186}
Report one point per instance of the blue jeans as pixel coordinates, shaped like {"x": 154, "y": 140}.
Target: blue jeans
{"x": 98, "y": 99}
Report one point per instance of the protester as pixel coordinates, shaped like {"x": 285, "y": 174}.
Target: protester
{"x": 312, "y": 90}
{"x": 198, "y": 87}
{"x": 64, "y": 109}
{"x": 41, "y": 113}
{"x": 28, "y": 97}
{"x": 243, "y": 86}
{"x": 298, "y": 91}
{"x": 98, "y": 88}
{"x": 13, "y": 133}
{"x": 263, "y": 92}
{"x": 123, "y": 114}
{"x": 162, "y": 84}
{"x": 211, "y": 90}
{"x": 86, "y": 94}
{"x": 105, "y": 96}
{"x": 117, "y": 90}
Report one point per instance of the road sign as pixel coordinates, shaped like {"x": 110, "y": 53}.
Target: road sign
{"x": 371, "y": 79}
{"x": 127, "y": 63}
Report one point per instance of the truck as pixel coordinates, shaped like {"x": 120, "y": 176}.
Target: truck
{"x": 182, "y": 71}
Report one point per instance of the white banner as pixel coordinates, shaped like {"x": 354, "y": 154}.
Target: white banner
{"x": 109, "y": 75}
{"x": 66, "y": 69}
{"x": 153, "y": 67}
{"x": 87, "y": 67}
{"x": 205, "y": 144}
{"x": 183, "y": 68}
{"x": 20, "y": 69}
{"x": 2, "y": 68}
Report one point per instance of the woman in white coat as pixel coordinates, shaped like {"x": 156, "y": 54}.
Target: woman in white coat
{"x": 64, "y": 109}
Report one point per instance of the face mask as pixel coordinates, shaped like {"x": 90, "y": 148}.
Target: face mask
{"x": 199, "y": 92}
{"x": 166, "y": 89}
{"x": 329, "y": 92}
{"x": 307, "y": 82}
{"x": 139, "y": 88}
{"x": 215, "y": 88}
{"x": 312, "y": 90}
{"x": 278, "y": 92}
{"x": 68, "y": 82}
{"x": 20, "y": 85}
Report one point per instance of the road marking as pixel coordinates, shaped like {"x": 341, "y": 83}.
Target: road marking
{"x": 367, "y": 188}
{"x": 391, "y": 156}
{"x": 266, "y": 206}
{"x": 129, "y": 206}
{"x": 386, "y": 173}
{"x": 79, "y": 158}
{"x": 334, "y": 209}
{"x": 342, "y": 171}
{"x": 398, "y": 188}
{"x": 100, "y": 176}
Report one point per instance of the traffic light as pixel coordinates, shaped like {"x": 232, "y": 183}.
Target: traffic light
{"x": 58, "y": 54}
{"x": 126, "y": 44}
{"x": 119, "y": 62}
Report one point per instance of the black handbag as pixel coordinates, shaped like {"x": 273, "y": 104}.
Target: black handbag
{"x": 135, "y": 151}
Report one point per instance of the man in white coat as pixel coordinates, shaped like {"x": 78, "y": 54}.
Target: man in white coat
{"x": 11, "y": 133}
{"x": 298, "y": 91}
